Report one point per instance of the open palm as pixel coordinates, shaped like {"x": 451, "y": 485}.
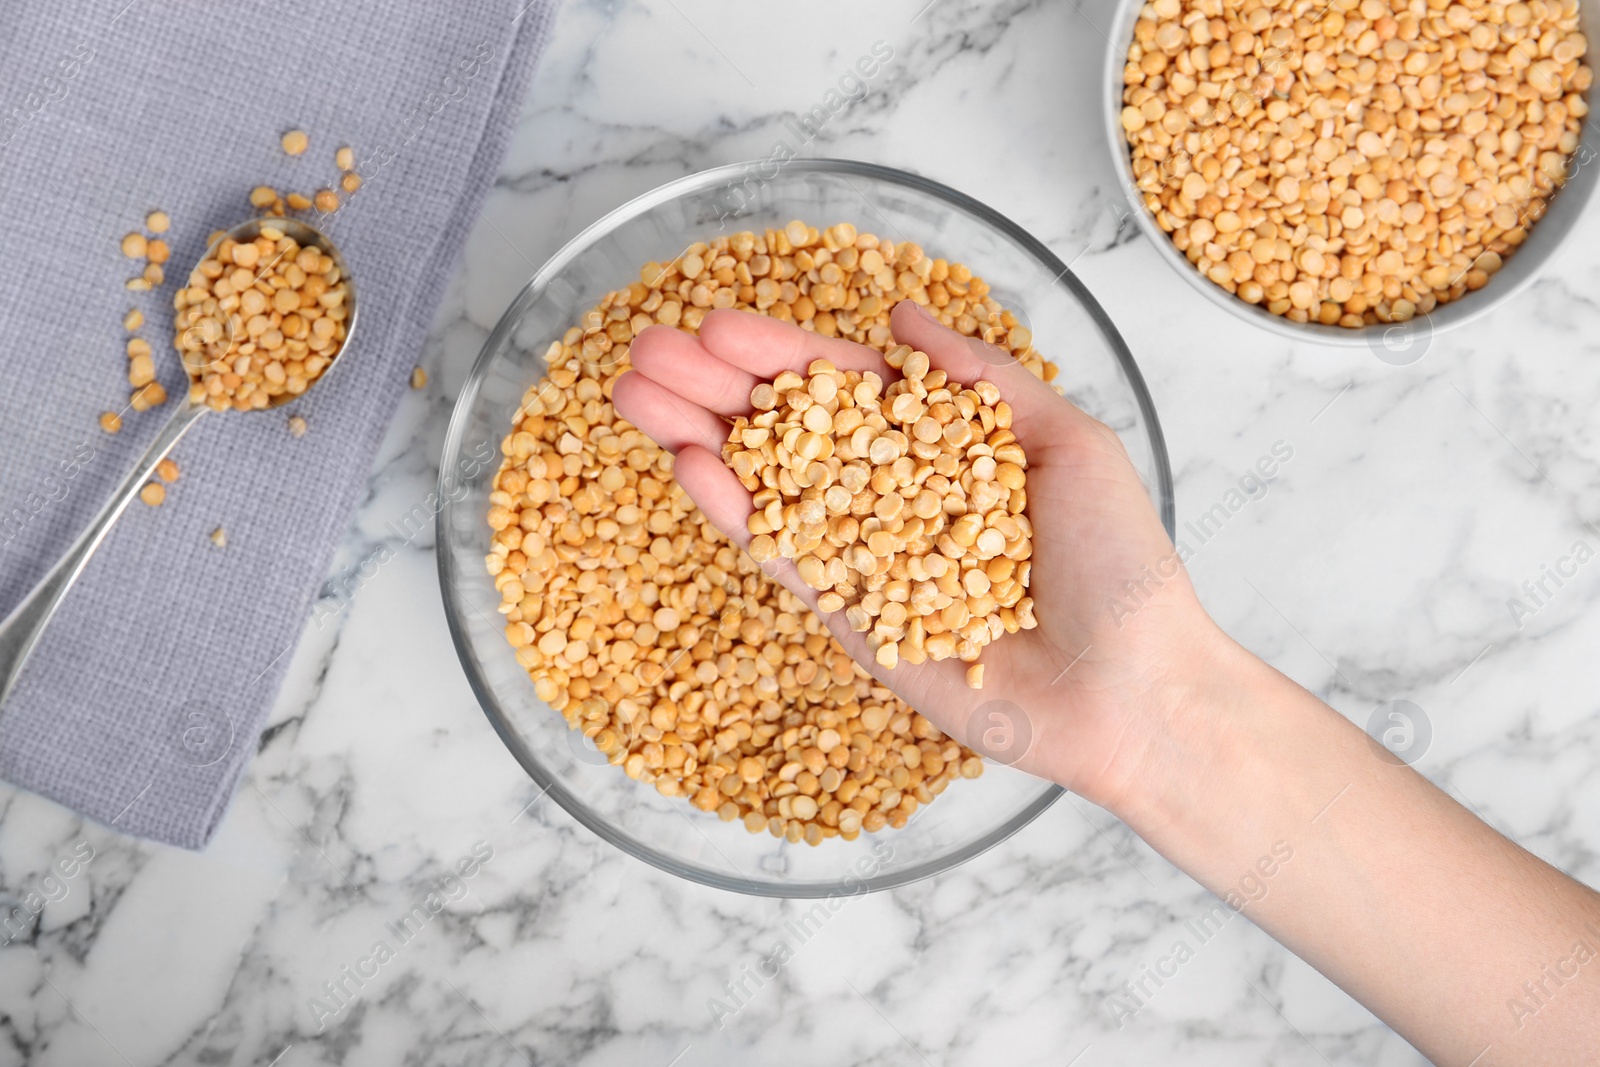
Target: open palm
{"x": 1080, "y": 698}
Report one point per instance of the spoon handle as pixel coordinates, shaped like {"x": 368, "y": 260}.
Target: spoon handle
{"x": 21, "y": 630}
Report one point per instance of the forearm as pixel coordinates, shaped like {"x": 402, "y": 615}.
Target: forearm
{"x": 1371, "y": 874}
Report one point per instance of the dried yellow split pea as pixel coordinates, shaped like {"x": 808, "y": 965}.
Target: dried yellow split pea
{"x": 148, "y": 396}
{"x": 903, "y": 504}
{"x": 259, "y": 321}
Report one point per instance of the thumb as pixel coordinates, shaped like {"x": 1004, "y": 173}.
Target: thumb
{"x": 968, "y": 359}
{"x": 1039, "y": 415}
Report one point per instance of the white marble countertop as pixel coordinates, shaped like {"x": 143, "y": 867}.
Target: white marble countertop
{"x": 1379, "y": 567}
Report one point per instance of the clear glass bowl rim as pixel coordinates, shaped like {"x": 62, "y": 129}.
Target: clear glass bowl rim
{"x": 455, "y": 435}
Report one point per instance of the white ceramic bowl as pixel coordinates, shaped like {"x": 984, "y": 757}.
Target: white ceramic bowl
{"x": 1397, "y": 343}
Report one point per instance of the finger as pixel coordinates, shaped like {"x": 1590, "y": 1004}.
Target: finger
{"x": 720, "y": 496}
{"x": 716, "y": 491}
{"x": 682, "y": 364}
{"x": 766, "y": 347}
{"x": 968, "y": 360}
{"x": 1041, "y": 417}
{"x": 723, "y": 499}
{"x": 665, "y": 417}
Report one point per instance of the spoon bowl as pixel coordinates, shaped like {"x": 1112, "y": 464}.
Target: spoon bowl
{"x": 209, "y": 341}
{"x": 20, "y": 631}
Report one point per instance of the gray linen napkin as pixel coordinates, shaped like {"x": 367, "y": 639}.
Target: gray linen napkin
{"x": 146, "y": 697}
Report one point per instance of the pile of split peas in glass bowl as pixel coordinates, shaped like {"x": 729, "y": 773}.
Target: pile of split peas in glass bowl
{"x": 669, "y": 226}
{"x": 1335, "y": 169}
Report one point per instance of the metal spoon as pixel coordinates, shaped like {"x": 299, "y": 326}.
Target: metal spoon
{"x": 20, "y": 631}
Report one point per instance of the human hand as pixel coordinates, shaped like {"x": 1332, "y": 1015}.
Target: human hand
{"x": 1098, "y": 681}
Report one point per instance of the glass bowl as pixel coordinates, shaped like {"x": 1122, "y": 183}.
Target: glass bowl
{"x": 1398, "y": 343}
{"x": 1097, "y": 371}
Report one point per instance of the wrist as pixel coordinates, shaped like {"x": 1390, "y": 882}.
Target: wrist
{"x": 1218, "y": 721}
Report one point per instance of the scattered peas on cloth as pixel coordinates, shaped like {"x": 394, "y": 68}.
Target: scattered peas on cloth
{"x": 143, "y": 702}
